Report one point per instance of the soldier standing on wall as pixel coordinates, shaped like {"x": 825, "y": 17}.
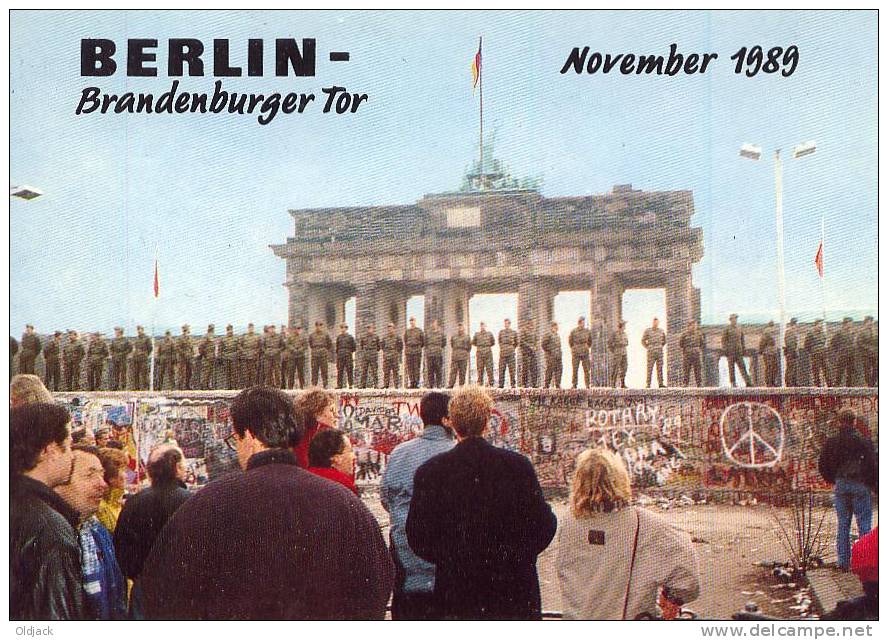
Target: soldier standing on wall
{"x": 414, "y": 341}
{"x": 654, "y": 339}
{"x": 345, "y": 358}
{"x": 734, "y": 346}
{"x": 141, "y": 352}
{"x": 435, "y": 342}
{"x": 768, "y": 351}
{"x": 842, "y": 350}
{"x": 815, "y": 345}
{"x": 96, "y": 355}
{"x": 298, "y": 342}
{"x": 286, "y": 359}
{"x": 206, "y": 352}
{"x": 272, "y": 348}
{"x": 460, "y": 349}
{"x": 392, "y": 348}
{"x": 868, "y": 352}
{"x": 529, "y": 341}
{"x": 166, "y": 356}
{"x": 791, "y": 352}
{"x": 619, "y": 341}
{"x": 691, "y": 344}
{"x": 30, "y": 347}
{"x": 508, "y": 342}
{"x": 74, "y": 353}
{"x": 368, "y": 355}
{"x": 580, "y": 342}
{"x": 552, "y": 352}
{"x": 228, "y": 348}
{"x": 483, "y": 341}
{"x": 321, "y": 349}
{"x": 120, "y": 349}
{"x": 248, "y": 356}
{"x": 51, "y": 355}
{"x": 184, "y": 354}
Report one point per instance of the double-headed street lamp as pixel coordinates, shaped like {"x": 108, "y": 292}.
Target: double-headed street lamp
{"x": 754, "y": 152}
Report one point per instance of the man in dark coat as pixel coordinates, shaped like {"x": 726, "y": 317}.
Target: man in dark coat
{"x": 274, "y": 542}
{"x": 478, "y": 514}
{"x": 44, "y": 553}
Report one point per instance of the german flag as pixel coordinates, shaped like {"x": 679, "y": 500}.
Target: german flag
{"x": 476, "y": 67}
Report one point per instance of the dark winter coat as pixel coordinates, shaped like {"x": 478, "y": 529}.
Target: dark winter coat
{"x": 851, "y": 456}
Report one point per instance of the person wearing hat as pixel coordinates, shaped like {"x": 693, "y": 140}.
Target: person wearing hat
{"x": 392, "y": 348}
{"x": 654, "y": 339}
{"x": 791, "y": 352}
{"x": 460, "y": 350}
{"x": 297, "y": 345}
{"x": 435, "y": 343}
{"x": 166, "y": 355}
{"x": 551, "y": 346}
{"x": 508, "y": 342}
{"x": 142, "y": 348}
{"x": 868, "y": 352}
{"x": 249, "y": 349}
{"x": 345, "y": 358}
{"x": 74, "y": 352}
{"x": 483, "y": 342}
{"x": 692, "y": 344}
{"x": 96, "y": 354}
{"x": 184, "y": 355}
{"x": 580, "y": 342}
{"x": 815, "y": 346}
{"x": 848, "y": 461}
{"x": 734, "y": 347}
{"x": 414, "y": 341}
{"x": 51, "y": 355}
{"x": 768, "y": 351}
{"x": 120, "y": 349}
{"x": 841, "y": 349}
{"x": 30, "y": 347}
{"x": 272, "y": 348}
{"x": 206, "y": 354}
{"x": 529, "y": 344}
{"x": 618, "y": 345}
{"x": 368, "y": 357}
{"x": 321, "y": 345}
{"x": 228, "y": 347}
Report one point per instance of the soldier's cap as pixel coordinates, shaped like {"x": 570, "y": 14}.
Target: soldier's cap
{"x": 228, "y": 326}
{"x": 138, "y": 326}
{"x": 733, "y": 316}
{"x": 818, "y": 321}
{"x": 57, "y": 333}
{"x": 211, "y": 327}
{"x": 318, "y": 323}
{"x": 793, "y": 320}
{"x": 391, "y": 324}
{"x": 867, "y": 318}
{"x": 29, "y": 326}
{"x": 168, "y": 333}
{"x": 343, "y": 326}
{"x": 770, "y": 323}
{"x": 622, "y": 323}
{"x": 583, "y": 318}
{"x": 185, "y": 327}
{"x": 846, "y": 319}
{"x": 118, "y": 328}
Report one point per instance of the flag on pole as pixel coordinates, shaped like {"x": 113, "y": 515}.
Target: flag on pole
{"x": 156, "y": 280}
{"x": 476, "y": 66}
{"x": 818, "y": 259}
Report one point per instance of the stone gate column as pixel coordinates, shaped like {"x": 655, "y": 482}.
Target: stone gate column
{"x": 297, "y": 300}
{"x": 605, "y": 310}
{"x": 679, "y": 310}
{"x": 365, "y": 308}
{"x": 536, "y": 302}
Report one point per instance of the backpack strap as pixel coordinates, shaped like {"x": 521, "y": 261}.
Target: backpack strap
{"x": 631, "y": 563}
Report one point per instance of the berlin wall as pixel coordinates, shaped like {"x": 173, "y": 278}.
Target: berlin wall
{"x": 715, "y": 442}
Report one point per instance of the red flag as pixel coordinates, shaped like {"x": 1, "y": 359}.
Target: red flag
{"x": 476, "y": 66}
{"x": 156, "y": 281}
{"x": 818, "y": 259}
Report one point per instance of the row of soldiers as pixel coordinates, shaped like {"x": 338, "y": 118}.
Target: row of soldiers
{"x": 280, "y": 358}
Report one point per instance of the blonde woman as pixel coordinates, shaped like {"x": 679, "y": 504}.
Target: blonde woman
{"x": 615, "y": 559}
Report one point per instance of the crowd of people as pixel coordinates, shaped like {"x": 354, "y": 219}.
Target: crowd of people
{"x": 279, "y": 359}
{"x": 288, "y": 537}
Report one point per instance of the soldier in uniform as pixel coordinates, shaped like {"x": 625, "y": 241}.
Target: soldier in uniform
{"x": 483, "y": 340}
{"x": 580, "y": 342}
{"x": 414, "y": 341}
{"x": 768, "y": 351}
{"x": 120, "y": 349}
{"x": 141, "y": 352}
{"x": 368, "y": 356}
{"x": 297, "y": 345}
{"x": 13, "y": 349}
{"x": 228, "y": 352}
{"x": 529, "y": 343}
{"x": 435, "y": 342}
{"x": 52, "y": 356}
{"x": 74, "y": 353}
{"x": 96, "y": 355}
{"x": 392, "y": 348}
{"x": 618, "y": 343}
{"x": 166, "y": 356}
{"x": 206, "y": 352}
{"x": 868, "y": 352}
{"x": 654, "y": 339}
{"x": 460, "y": 349}
{"x": 508, "y": 342}
{"x": 691, "y": 344}
{"x": 30, "y": 347}
{"x": 815, "y": 346}
{"x": 345, "y": 358}
{"x": 552, "y": 352}
{"x": 842, "y": 351}
{"x": 249, "y": 348}
{"x": 734, "y": 347}
{"x": 184, "y": 355}
{"x": 272, "y": 348}
{"x": 791, "y": 352}
{"x": 321, "y": 351}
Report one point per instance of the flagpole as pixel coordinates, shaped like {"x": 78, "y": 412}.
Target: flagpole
{"x": 823, "y": 276}
{"x": 153, "y": 318}
{"x": 481, "y": 119}
{"x": 781, "y": 277}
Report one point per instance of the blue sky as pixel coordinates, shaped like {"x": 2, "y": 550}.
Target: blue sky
{"x": 212, "y": 191}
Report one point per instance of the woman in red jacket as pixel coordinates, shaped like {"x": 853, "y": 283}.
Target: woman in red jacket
{"x": 318, "y": 410}
{"x": 330, "y": 456}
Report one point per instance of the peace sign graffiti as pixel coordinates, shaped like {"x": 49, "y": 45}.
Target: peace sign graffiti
{"x": 752, "y": 435}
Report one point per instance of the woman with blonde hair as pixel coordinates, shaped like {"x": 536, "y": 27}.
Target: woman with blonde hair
{"x": 318, "y": 409}
{"x": 615, "y": 559}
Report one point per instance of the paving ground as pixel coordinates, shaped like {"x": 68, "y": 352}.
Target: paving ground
{"x": 730, "y": 541}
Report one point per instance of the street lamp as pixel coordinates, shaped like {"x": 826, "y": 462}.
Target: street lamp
{"x": 24, "y": 192}
{"x": 754, "y": 152}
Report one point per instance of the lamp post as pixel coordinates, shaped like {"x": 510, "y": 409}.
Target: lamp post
{"x": 754, "y": 152}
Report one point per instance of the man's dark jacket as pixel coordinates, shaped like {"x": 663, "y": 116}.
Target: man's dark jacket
{"x": 851, "y": 456}
{"x": 45, "y": 579}
{"x": 142, "y": 520}
{"x": 479, "y": 515}
{"x": 272, "y": 543}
